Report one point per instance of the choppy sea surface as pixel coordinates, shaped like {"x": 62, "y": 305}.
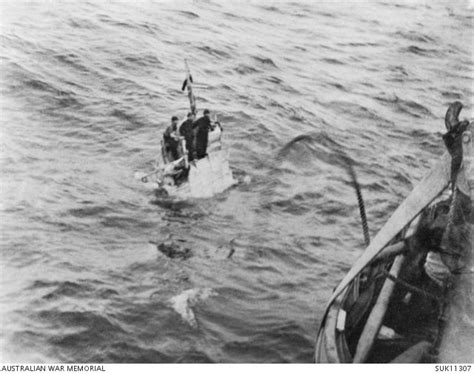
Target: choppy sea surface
{"x": 87, "y": 89}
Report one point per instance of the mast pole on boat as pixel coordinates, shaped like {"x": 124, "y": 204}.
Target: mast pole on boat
{"x": 188, "y": 83}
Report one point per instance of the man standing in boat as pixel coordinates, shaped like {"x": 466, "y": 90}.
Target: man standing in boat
{"x": 171, "y": 140}
{"x": 201, "y": 130}
{"x": 186, "y": 130}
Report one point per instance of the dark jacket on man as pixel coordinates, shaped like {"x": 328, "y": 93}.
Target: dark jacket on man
{"x": 201, "y": 128}
{"x": 186, "y": 130}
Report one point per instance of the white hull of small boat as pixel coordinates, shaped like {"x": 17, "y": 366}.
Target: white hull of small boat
{"x": 207, "y": 177}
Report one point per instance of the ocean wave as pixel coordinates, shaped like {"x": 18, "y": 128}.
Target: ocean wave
{"x": 245, "y": 69}
{"x": 415, "y": 37}
{"x": 422, "y": 51}
{"x": 188, "y": 14}
{"x": 264, "y": 61}
{"x": 215, "y": 52}
{"x": 410, "y": 107}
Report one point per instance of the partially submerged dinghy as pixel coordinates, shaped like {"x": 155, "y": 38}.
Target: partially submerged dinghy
{"x": 408, "y": 297}
{"x": 202, "y": 178}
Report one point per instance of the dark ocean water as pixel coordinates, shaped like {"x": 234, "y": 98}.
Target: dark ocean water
{"x": 88, "y": 87}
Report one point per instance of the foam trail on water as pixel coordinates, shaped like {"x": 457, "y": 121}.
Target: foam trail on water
{"x": 184, "y": 302}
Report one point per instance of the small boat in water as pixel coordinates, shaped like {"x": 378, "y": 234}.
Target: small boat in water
{"x": 408, "y": 298}
{"x": 200, "y": 178}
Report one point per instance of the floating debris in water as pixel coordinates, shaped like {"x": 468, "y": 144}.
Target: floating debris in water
{"x": 172, "y": 250}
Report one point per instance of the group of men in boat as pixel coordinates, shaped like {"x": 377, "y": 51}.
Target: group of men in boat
{"x": 195, "y": 134}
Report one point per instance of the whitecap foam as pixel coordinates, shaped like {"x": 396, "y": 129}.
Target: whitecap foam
{"x": 184, "y": 302}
